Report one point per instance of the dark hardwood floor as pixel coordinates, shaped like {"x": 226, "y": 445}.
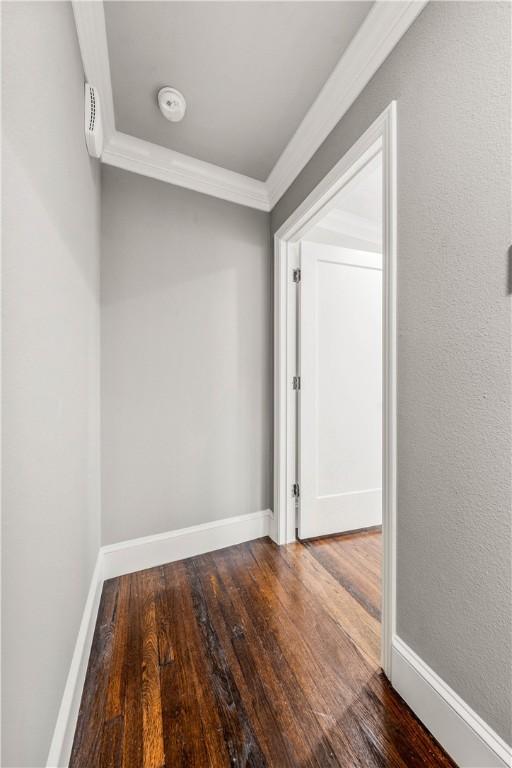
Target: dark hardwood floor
{"x": 253, "y": 655}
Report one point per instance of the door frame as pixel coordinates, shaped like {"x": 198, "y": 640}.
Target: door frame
{"x": 380, "y": 136}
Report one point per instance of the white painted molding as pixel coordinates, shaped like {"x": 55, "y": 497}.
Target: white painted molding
{"x": 385, "y": 24}
{"x": 157, "y": 162}
{"x": 380, "y": 136}
{"x": 144, "y": 157}
{"x": 376, "y": 38}
{"x": 92, "y": 39}
{"x": 62, "y": 741}
{"x": 150, "y": 551}
{"x": 460, "y": 731}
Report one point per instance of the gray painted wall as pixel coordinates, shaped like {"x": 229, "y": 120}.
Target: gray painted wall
{"x": 186, "y": 358}
{"x": 50, "y": 243}
{"x": 450, "y": 75}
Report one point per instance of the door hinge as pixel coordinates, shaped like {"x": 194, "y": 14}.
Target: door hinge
{"x": 295, "y": 491}
{"x": 296, "y": 275}
{"x": 296, "y": 382}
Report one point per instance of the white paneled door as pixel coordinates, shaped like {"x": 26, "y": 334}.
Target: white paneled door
{"x": 340, "y": 404}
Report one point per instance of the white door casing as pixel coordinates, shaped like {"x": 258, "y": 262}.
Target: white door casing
{"x": 380, "y": 136}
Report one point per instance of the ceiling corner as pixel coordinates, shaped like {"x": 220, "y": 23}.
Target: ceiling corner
{"x": 383, "y": 27}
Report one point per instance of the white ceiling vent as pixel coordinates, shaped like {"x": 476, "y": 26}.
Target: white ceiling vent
{"x": 93, "y": 125}
{"x": 172, "y": 104}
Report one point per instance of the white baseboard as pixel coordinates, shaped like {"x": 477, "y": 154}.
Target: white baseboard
{"x": 460, "y": 731}
{"x": 149, "y": 551}
{"x": 126, "y": 557}
{"x": 62, "y": 741}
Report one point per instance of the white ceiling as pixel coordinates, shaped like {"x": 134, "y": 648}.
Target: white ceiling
{"x": 362, "y": 196}
{"x": 240, "y": 112}
{"x": 249, "y": 71}
{"x": 354, "y": 218}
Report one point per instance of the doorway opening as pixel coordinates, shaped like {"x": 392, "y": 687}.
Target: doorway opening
{"x": 335, "y": 380}
{"x": 339, "y": 331}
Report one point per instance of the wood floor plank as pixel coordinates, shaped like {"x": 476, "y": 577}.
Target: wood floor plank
{"x": 350, "y": 571}
{"x": 267, "y": 671}
{"x": 210, "y": 733}
{"x": 188, "y": 707}
{"x": 111, "y": 755}
{"x": 328, "y": 744}
{"x": 334, "y": 673}
{"x": 152, "y": 730}
{"x": 254, "y": 656}
{"x": 313, "y": 621}
{"x": 114, "y": 707}
{"x": 242, "y": 744}
{"x": 235, "y": 634}
{"x": 358, "y": 673}
{"x": 362, "y": 627}
{"x": 132, "y": 750}
{"x": 415, "y": 745}
{"x": 86, "y": 751}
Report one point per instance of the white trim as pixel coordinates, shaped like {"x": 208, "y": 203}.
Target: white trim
{"x": 144, "y": 157}
{"x": 150, "y": 551}
{"x": 127, "y": 557}
{"x": 460, "y": 731}
{"x": 383, "y": 27}
{"x": 62, "y": 741}
{"x": 92, "y": 39}
{"x": 149, "y": 159}
{"x": 380, "y": 136}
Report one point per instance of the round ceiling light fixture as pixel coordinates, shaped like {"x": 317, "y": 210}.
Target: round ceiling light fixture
{"x": 172, "y": 104}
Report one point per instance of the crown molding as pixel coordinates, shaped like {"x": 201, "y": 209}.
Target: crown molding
{"x": 383, "y": 27}
{"x": 144, "y": 157}
{"x": 157, "y": 162}
{"x": 376, "y": 38}
{"x": 92, "y": 39}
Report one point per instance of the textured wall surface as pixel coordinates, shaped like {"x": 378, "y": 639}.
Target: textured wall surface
{"x": 186, "y": 358}
{"x": 450, "y": 75}
{"x": 50, "y": 253}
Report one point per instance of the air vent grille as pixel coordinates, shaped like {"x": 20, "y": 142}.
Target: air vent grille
{"x": 92, "y": 112}
{"x": 93, "y": 128}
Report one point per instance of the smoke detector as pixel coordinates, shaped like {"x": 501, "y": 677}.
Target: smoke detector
{"x": 93, "y": 124}
{"x": 172, "y": 104}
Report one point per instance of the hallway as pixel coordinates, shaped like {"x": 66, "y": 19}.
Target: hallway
{"x": 256, "y": 284}
{"x": 273, "y": 661}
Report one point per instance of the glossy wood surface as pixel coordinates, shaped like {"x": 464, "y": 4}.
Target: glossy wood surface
{"x": 255, "y": 655}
